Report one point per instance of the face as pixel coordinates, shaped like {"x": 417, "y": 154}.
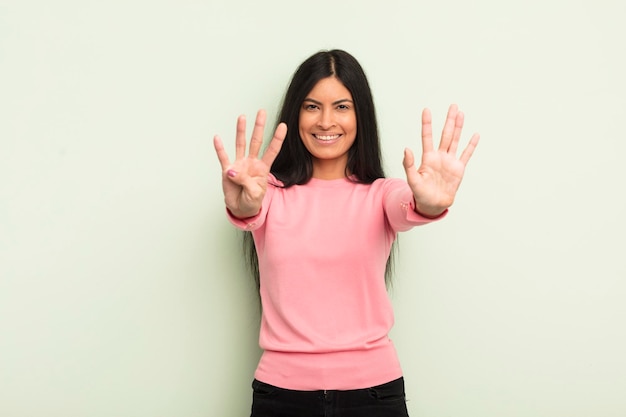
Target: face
{"x": 328, "y": 127}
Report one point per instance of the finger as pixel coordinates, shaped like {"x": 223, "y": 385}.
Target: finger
{"x": 427, "y": 131}
{"x": 456, "y": 135}
{"x": 275, "y": 144}
{"x": 409, "y": 166}
{"x": 448, "y": 128}
{"x": 240, "y": 139}
{"x": 469, "y": 149}
{"x": 221, "y": 152}
{"x": 409, "y": 160}
{"x": 257, "y": 134}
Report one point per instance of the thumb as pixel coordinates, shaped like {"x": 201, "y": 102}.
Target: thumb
{"x": 409, "y": 166}
{"x": 409, "y": 160}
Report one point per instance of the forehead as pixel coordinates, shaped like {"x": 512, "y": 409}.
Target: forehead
{"x": 329, "y": 88}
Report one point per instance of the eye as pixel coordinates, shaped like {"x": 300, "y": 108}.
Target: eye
{"x": 343, "y": 107}
{"x": 309, "y": 106}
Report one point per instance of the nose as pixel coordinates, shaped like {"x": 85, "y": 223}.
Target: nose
{"x": 326, "y": 119}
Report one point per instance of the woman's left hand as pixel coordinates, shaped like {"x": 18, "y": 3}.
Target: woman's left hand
{"x": 435, "y": 182}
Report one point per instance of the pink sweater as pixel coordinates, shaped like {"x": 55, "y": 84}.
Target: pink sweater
{"x": 322, "y": 249}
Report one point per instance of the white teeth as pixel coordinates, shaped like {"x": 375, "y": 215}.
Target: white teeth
{"x": 321, "y": 137}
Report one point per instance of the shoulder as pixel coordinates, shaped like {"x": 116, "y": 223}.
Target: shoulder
{"x": 275, "y": 182}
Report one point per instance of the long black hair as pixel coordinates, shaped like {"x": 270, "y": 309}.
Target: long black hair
{"x": 294, "y": 163}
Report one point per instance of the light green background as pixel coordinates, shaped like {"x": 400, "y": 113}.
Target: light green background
{"x": 122, "y": 287}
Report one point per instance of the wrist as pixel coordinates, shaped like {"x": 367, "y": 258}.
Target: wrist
{"x": 243, "y": 214}
{"x": 430, "y": 212}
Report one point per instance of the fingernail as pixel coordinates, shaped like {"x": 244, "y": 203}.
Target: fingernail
{"x": 231, "y": 173}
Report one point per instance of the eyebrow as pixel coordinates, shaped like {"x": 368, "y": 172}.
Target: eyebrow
{"x": 343, "y": 100}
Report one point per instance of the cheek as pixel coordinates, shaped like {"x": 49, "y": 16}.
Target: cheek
{"x": 303, "y": 123}
{"x": 305, "y": 118}
{"x": 350, "y": 124}
{"x": 348, "y": 119}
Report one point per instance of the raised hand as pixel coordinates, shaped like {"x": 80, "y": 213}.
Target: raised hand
{"x": 244, "y": 181}
{"x": 435, "y": 182}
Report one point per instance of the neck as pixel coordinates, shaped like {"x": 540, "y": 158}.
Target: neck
{"x": 329, "y": 170}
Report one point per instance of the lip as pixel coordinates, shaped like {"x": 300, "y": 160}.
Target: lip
{"x": 327, "y": 138}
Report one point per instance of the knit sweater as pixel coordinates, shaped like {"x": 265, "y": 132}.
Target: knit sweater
{"x": 322, "y": 248}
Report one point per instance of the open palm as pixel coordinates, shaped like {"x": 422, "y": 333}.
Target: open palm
{"x": 244, "y": 181}
{"x": 436, "y": 181}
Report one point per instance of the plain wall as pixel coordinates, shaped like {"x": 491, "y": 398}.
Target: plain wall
{"x": 122, "y": 286}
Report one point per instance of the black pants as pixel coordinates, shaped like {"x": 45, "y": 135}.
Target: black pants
{"x": 385, "y": 400}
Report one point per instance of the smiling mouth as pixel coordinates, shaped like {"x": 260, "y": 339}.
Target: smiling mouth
{"x": 326, "y": 137}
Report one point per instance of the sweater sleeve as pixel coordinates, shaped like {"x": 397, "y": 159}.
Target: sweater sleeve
{"x": 399, "y": 206}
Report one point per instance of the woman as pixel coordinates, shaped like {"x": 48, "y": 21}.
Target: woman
{"x": 324, "y": 218}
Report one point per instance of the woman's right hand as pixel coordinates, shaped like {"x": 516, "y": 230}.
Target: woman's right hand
{"x": 245, "y": 180}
